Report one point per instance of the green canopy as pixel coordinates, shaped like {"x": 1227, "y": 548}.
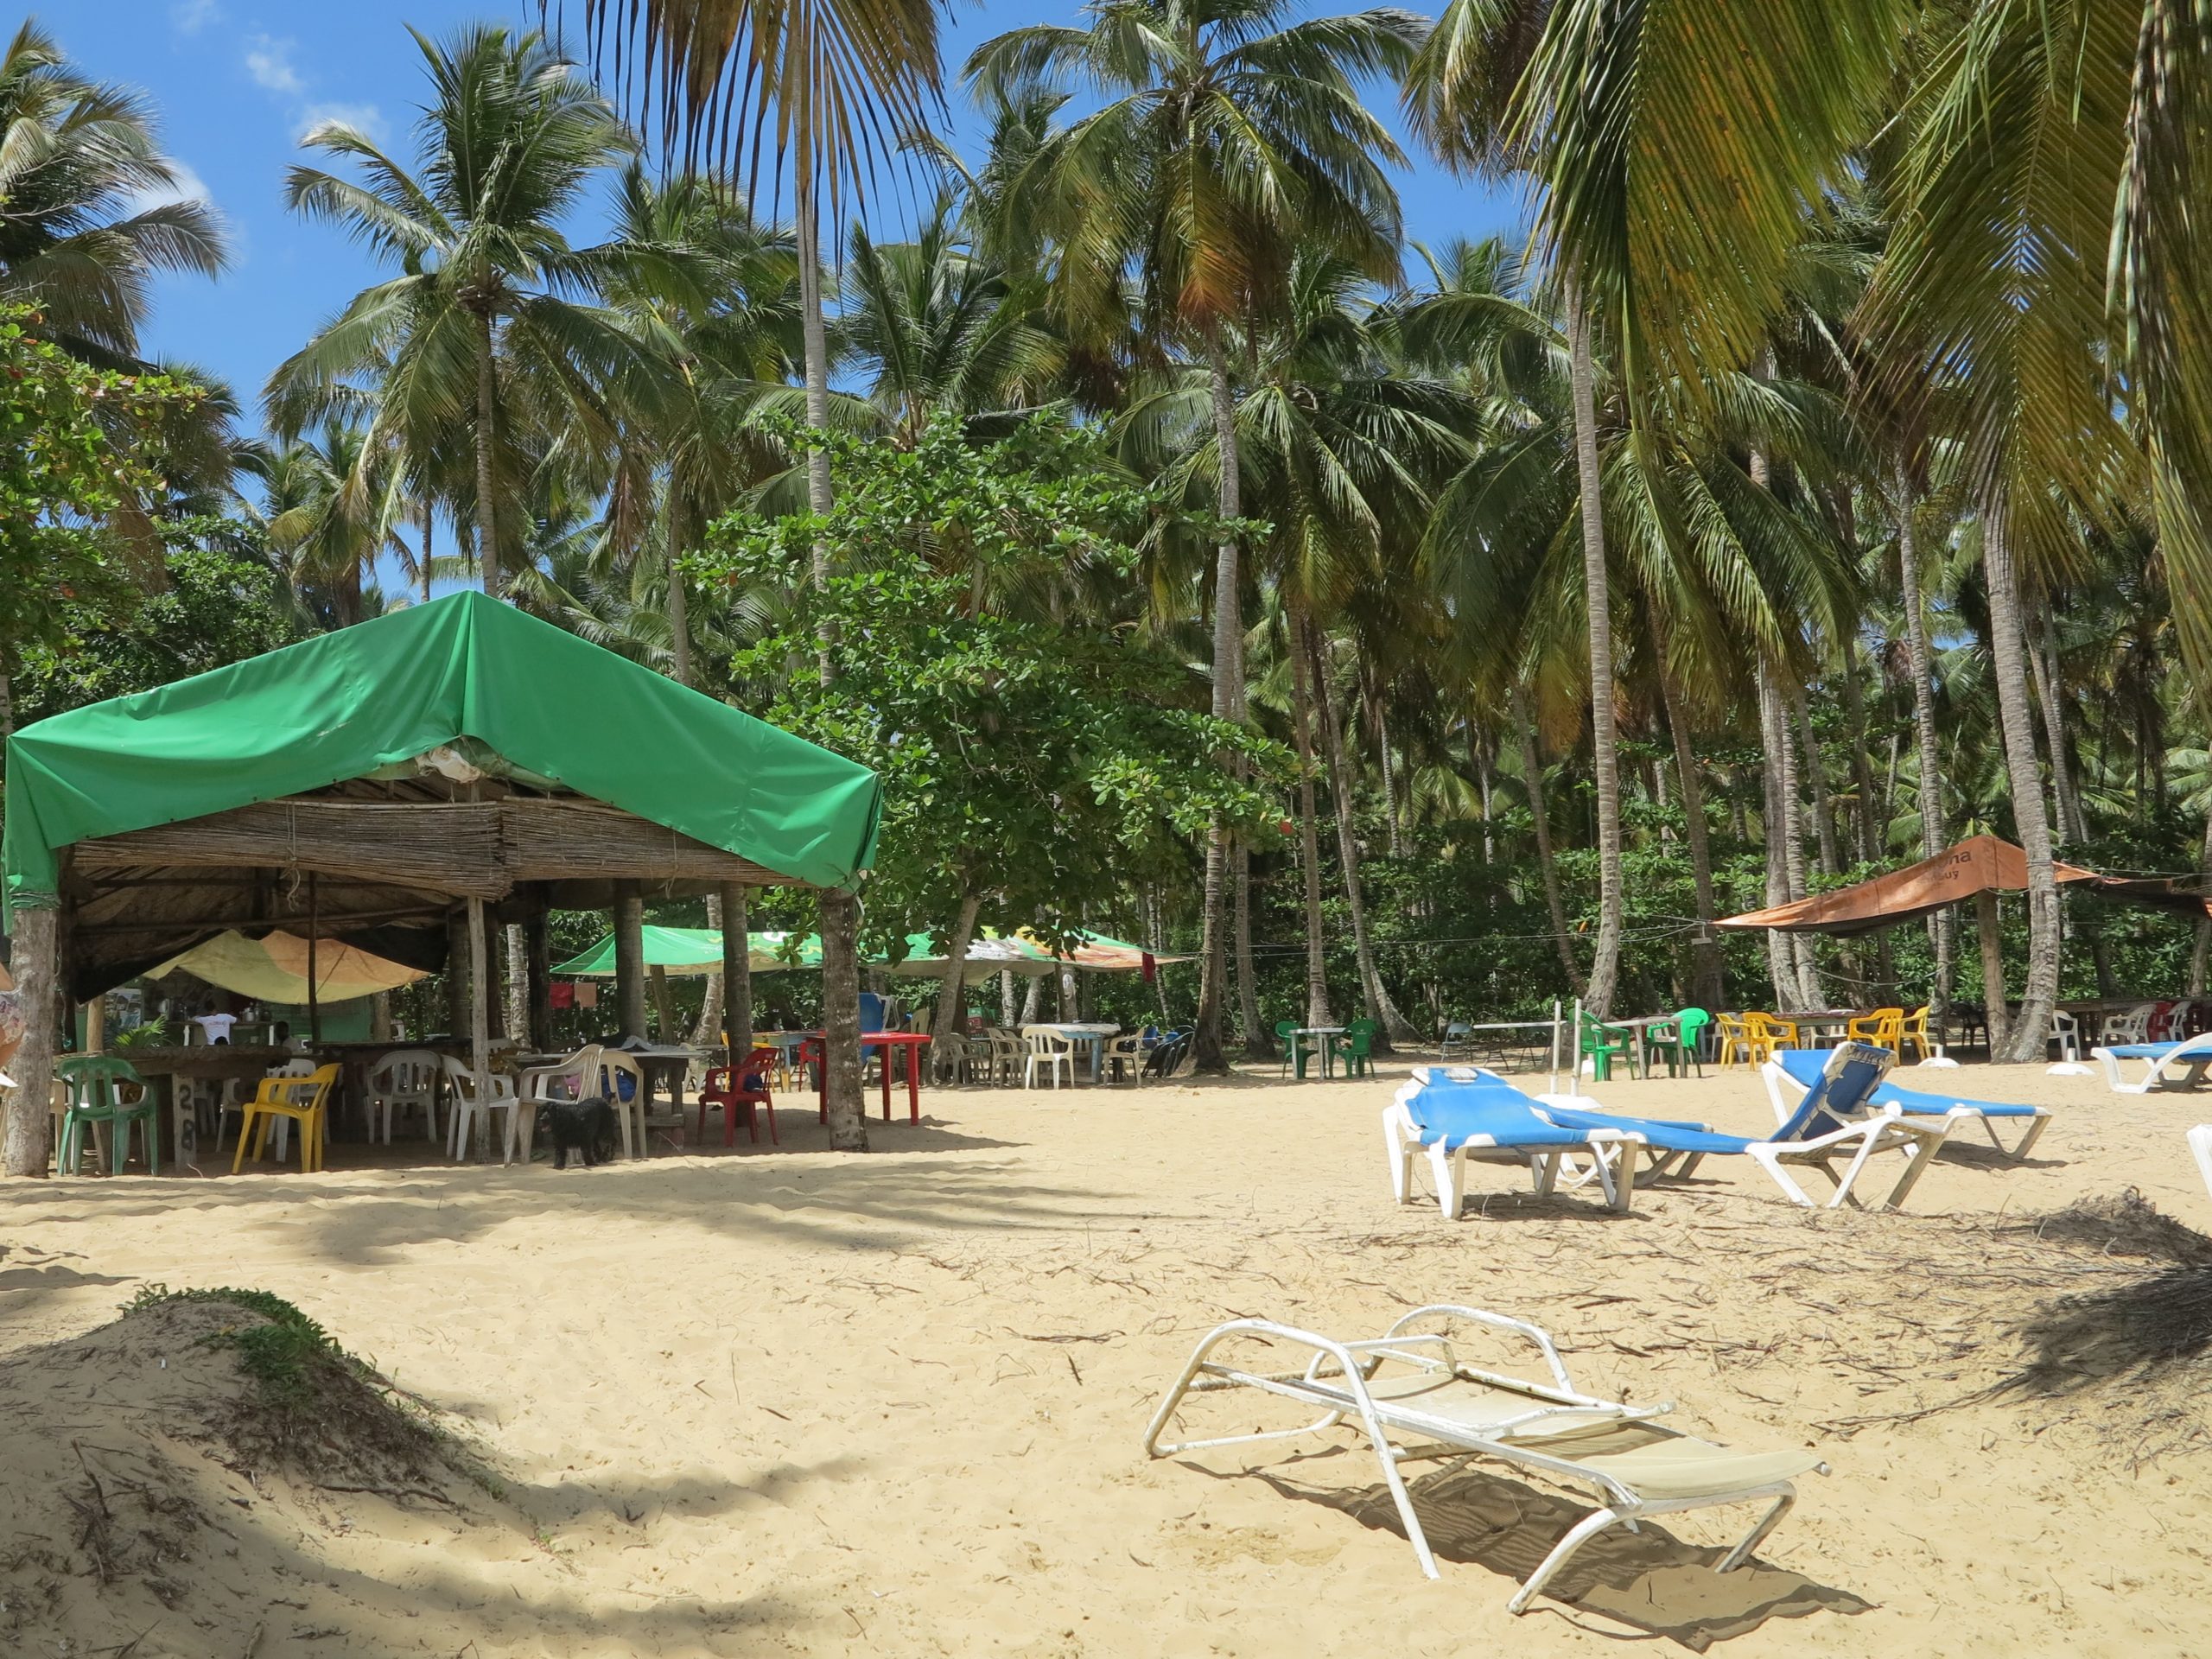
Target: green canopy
{"x": 693, "y": 950}
{"x": 463, "y": 671}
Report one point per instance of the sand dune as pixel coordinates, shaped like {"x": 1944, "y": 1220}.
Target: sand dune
{"x": 793, "y": 1402}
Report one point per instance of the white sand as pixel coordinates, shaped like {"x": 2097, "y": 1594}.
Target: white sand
{"x": 791, "y": 1401}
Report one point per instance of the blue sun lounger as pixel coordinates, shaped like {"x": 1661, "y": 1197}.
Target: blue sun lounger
{"x": 1801, "y": 1066}
{"x": 1457, "y": 1113}
{"x": 2165, "y": 1066}
{"x": 1834, "y": 1121}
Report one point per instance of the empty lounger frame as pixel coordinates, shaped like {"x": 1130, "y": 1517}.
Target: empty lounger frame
{"x": 1409, "y": 1394}
{"x": 2165, "y": 1066}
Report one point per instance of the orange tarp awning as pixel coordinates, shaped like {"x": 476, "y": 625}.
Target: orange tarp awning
{"x": 1977, "y": 864}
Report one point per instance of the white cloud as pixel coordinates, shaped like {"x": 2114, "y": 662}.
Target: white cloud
{"x": 187, "y": 185}
{"x": 367, "y": 117}
{"x": 270, "y": 62}
{"x": 190, "y": 16}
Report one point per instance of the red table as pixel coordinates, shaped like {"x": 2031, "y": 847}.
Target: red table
{"x": 912, "y": 1041}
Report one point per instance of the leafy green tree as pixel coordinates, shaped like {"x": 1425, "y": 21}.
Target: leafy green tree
{"x": 1031, "y": 763}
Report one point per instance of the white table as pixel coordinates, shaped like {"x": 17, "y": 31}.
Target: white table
{"x": 1094, "y": 1035}
{"x": 1325, "y": 1048}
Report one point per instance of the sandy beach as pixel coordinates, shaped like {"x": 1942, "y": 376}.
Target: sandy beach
{"x": 785, "y": 1402}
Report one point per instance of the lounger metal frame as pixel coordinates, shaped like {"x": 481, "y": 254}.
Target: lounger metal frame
{"x": 1335, "y": 1382}
{"x": 1447, "y": 1162}
{"x": 1957, "y": 1112}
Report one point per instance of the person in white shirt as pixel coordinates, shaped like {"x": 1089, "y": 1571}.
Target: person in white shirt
{"x": 217, "y": 1026}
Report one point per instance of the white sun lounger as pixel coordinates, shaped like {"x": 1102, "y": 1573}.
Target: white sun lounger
{"x": 1793, "y": 1070}
{"x": 1411, "y": 1396}
{"x": 2165, "y": 1066}
{"x": 2200, "y": 1142}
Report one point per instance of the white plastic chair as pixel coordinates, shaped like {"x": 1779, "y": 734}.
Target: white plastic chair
{"x": 406, "y": 1078}
{"x": 1051, "y": 1047}
{"x": 574, "y": 1079}
{"x": 475, "y": 1096}
{"x": 951, "y": 1058}
{"x": 629, "y": 1114}
{"x": 2066, "y": 1032}
{"x": 2131, "y": 1025}
{"x": 1124, "y": 1057}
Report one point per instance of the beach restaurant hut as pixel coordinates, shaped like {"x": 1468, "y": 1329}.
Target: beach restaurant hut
{"x": 399, "y": 786}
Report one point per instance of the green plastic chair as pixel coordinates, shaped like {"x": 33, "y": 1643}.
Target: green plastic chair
{"x": 1678, "y": 1039}
{"x": 95, "y": 1083}
{"x": 1286, "y": 1035}
{"x": 1357, "y": 1048}
{"x": 1601, "y": 1042}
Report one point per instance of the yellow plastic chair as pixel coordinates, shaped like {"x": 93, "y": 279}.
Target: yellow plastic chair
{"x": 1764, "y": 1034}
{"x": 302, "y": 1100}
{"x": 1884, "y": 1028}
{"x": 1913, "y": 1028}
{"x": 1735, "y": 1039}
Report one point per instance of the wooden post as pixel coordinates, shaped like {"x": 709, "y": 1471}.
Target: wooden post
{"x": 664, "y": 1015}
{"x": 458, "y": 996}
{"x": 314, "y": 987}
{"x": 630, "y": 960}
{"x": 1992, "y": 971}
{"x": 480, "y": 1024}
{"x": 737, "y": 978}
{"x": 96, "y": 1026}
{"x": 536, "y": 960}
{"x": 36, "y": 966}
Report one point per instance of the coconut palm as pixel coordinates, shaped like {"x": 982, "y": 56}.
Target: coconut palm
{"x": 482, "y": 329}
{"x": 832, "y": 78}
{"x": 1229, "y": 140}
{"x": 85, "y": 231}
{"x": 334, "y": 511}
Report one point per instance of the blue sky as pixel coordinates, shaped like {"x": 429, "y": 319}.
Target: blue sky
{"x": 237, "y": 82}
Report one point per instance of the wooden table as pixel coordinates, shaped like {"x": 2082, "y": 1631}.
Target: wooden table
{"x": 199, "y": 1062}
{"x": 913, "y": 1041}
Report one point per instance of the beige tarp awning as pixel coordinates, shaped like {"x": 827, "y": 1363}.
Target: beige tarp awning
{"x": 1977, "y": 864}
{"x": 274, "y": 968}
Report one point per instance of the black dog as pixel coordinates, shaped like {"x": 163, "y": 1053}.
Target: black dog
{"x": 584, "y": 1125}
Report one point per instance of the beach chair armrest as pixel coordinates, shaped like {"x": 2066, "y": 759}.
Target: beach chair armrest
{"x": 1459, "y": 1311}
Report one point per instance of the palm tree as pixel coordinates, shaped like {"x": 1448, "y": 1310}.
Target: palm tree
{"x": 1665, "y": 141}
{"x": 74, "y": 156}
{"x": 1229, "y": 141}
{"x": 333, "y": 511}
{"x": 835, "y": 76}
{"x": 479, "y": 329}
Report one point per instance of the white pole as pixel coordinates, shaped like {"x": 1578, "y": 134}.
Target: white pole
{"x": 1554, "y": 1045}
{"x": 1574, "y": 1071}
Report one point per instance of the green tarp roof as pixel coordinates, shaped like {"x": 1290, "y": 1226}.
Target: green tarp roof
{"x": 345, "y": 705}
{"x": 693, "y": 950}
{"x": 699, "y": 950}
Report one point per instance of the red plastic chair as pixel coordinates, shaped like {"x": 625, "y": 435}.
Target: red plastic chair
{"x": 750, "y": 1094}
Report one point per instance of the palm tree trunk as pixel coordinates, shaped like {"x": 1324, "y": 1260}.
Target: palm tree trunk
{"x": 1934, "y": 837}
{"x": 1532, "y": 776}
{"x": 1604, "y": 748}
{"x": 839, "y": 911}
{"x": 710, "y": 1005}
{"x": 487, "y": 414}
{"x": 1708, "y": 989}
{"x": 1309, "y": 833}
{"x": 679, "y": 599}
{"x": 1257, "y": 1047}
{"x": 2042, "y": 657}
{"x": 2039, "y": 994}
{"x": 1781, "y": 958}
{"x": 1228, "y": 680}
{"x": 1817, "y": 782}
{"x": 1786, "y": 837}
{"x": 7, "y": 690}
{"x": 1871, "y": 814}
{"x": 951, "y": 990}
{"x": 1380, "y": 1007}
{"x": 26, "y": 1137}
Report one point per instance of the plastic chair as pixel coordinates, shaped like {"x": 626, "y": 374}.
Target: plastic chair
{"x": 1124, "y": 1054}
{"x": 1678, "y": 1039}
{"x": 1601, "y": 1042}
{"x": 574, "y": 1079}
{"x": 1357, "y": 1048}
{"x": 1913, "y": 1029}
{"x": 301, "y": 1100}
{"x": 95, "y": 1083}
{"x": 406, "y": 1078}
{"x": 2066, "y": 1032}
{"x": 1458, "y": 1042}
{"x": 622, "y": 1080}
{"x": 475, "y": 1096}
{"x": 1883, "y": 1029}
{"x": 951, "y": 1058}
{"x": 1287, "y": 1036}
{"x": 1735, "y": 1040}
{"x": 751, "y": 1093}
{"x": 1766, "y": 1035}
{"x": 1008, "y": 1052}
{"x": 1055, "y": 1051}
